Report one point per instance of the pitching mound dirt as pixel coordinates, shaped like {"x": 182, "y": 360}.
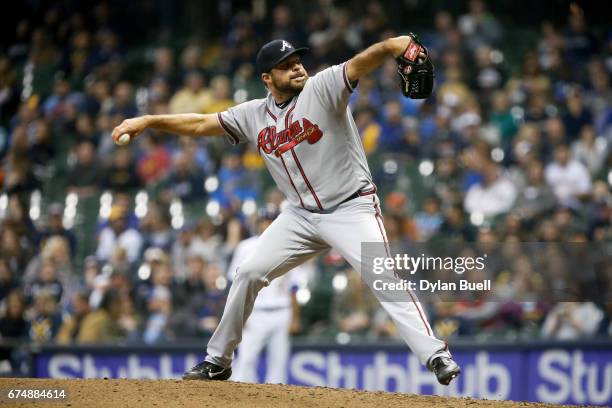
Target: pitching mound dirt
{"x": 177, "y": 393}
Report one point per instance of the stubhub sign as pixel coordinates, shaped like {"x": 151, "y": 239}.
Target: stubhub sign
{"x": 562, "y": 376}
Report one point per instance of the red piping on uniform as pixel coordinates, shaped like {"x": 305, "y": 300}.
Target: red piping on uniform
{"x": 346, "y": 80}
{"x": 270, "y": 113}
{"x": 389, "y": 255}
{"x": 289, "y": 114}
{"x": 297, "y": 161}
{"x": 365, "y": 193}
{"x": 291, "y": 181}
{"x": 227, "y": 130}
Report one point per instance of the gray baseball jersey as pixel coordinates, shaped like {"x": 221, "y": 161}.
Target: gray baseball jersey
{"x": 311, "y": 146}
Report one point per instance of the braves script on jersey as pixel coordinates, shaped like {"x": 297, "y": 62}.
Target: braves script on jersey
{"x": 311, "y": 146}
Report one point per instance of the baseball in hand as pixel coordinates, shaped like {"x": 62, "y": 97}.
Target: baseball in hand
{"x": 123, "y": 139}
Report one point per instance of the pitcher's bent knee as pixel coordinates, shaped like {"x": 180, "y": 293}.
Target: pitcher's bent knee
{"x": 252, "y": 273}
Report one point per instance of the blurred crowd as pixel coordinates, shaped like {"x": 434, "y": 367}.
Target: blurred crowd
{"x": 105, "y": 243}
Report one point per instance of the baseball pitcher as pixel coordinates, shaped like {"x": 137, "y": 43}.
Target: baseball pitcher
{"x": 305, "y": 132}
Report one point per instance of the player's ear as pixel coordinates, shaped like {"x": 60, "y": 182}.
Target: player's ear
{"x": 266, "y": 78}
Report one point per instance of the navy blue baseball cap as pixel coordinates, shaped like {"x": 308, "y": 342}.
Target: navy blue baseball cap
{"x": 274, "y": 52}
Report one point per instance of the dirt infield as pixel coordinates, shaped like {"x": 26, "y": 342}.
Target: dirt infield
{"x": 178, "y": 393}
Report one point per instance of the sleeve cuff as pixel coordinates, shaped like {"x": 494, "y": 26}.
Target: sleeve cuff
{"x": 347, "y": 83}
{"x": 233, "y": 139}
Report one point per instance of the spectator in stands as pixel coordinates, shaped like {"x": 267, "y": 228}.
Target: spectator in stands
{"x": 118, "y": 235}
{"x": 572, "y": 321}
{"x": 121, "y": 175}
{"x": 605, "y": 327}
{"x": 191, "y": 59}
{"x": 13, "y": 332}
{"x": 71, "y": 326}
{"x": 221, "y": 98}
{"x": 430, "y": 219}
{"x": 13, "y": 324}
{"x": 488, "y": 76}
{"x": 597, "y": 96}
{"x": 55, "y": 227}
{"x": 577, "y": 114}
{"x": 569, "y": 179}
{"x": 284, "y": 25}
{"x": 538, "y": 109}
{"x": 86, "y": 129}
{"x": 41, "y": 148}
{"x": 446, "y": 177}
{"x": 502, "y": 118}
{"x": 590, "y": 150}
{"x": 456, "y": 227}
{"x": 179, "y": 253}
{"x": 197, "y": 268}
{"x": 129, "y": 320}
{"x": 154, "y": 163}
{"x": 12, "y": 249}
{"x": 163, "y": 65}
{"x": 101, "y": 325}
{"x": 212, "y": 304}
{"x": 123, "y": 100}
{"x": 155, "y": 228}
{"x": 47, "y": 281}
{"x": 235, "y": 183}
{"x": 101, "y": 96}
{"x": 555, "y": 134}
{"x": 193, "y": 97}
{"x": 392, "y": 132}
{"x": 45, "y": 319}
{"x": 193, "y": 298}
{"x": 369, "y": 129}
{"x": 159, "y": 303}
{"x": 18, "y": 167}
{"x": 453, "y": 92}
{"x": 396, "y": 204}
{"x": 56, "y": 252}
{"x": 495, "y": 194}
{"x": 354, "y": 306}
{"x": 479, "y": 26}
{"x": 197, "y": 153}
{"x": 599, "y": 210}
{"x": 185, "y": 181}
{"x": 123, "y": 201}
{"x": 55, "y": 104}
{"x": 366, "y": 95}
{"x": 8, "y": 281}
{"x": 579, "y": 42}
{"x": 536, "y": 198}
{"x": 85, "y": 177}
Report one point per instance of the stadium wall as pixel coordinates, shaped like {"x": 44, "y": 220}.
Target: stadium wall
{"x": 561, "y": 373}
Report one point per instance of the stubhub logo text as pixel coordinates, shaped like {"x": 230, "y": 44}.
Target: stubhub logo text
{"x": 573, "y": 377}
{"x": 481, "y": 377}
{"x": 560, "y": 376}
{"x": 132, "y": 365}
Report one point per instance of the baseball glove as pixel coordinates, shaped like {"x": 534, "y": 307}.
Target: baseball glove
{"x": 415, "y": 70}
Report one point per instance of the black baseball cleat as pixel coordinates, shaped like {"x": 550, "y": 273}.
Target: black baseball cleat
{"x": 207, "y": 371}
{"x": 445, "y": 369}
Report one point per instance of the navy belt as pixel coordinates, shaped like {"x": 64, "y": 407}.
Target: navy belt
{"x": 353, "y": 196}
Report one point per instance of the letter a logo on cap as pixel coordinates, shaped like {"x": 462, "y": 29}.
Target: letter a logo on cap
{"x": 285, "y": 45}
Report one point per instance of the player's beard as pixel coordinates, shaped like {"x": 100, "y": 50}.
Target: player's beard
{"x": 289, "y": 87}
